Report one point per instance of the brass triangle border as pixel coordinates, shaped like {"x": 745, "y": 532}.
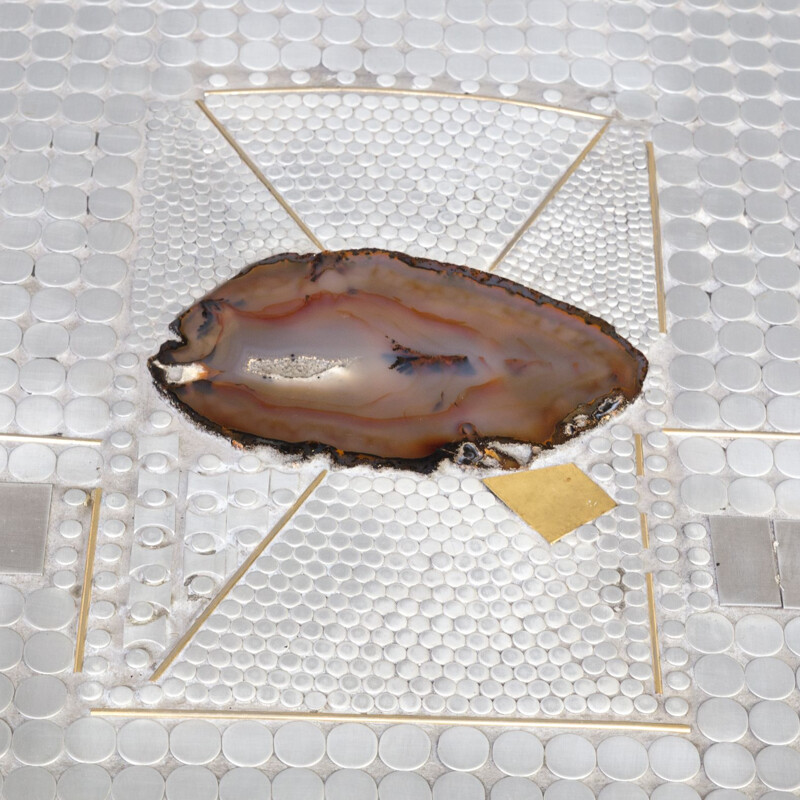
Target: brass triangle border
{"x": 54, "y": 439}
{"x": 554, "y": 190}
{"x": 253, "y": 167}
{"x": 88, "y": 581}
{"x": 482, "y": 98}
{"x": 235, "y": 577}
{"x": 655, "y": 648}
{"x": 238, "y": 574}
{"x": 396, "y": 719}
{"x": 710, "y": 433}
{"x": 658, "y": 255}
{"x": 277, "y": 90}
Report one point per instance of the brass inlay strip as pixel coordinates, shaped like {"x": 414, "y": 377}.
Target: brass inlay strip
{"x": 637, "y": 441}
{"x": 223, "y": 131}
{"x": 408, "y": 92}
{"x": 715, "y": 434}
{"x": 655, "y": 212}
{"x": 234, "y": 579}
{"x": 554, "y": 190}
{"x": 22, "y": 437}
{"x": 392, "y": 719}
{"x": 481, "y": 98}
{"x": 655, "y": 650}
{"x": 644, "y": 529}
{"x": 88, "y": 576}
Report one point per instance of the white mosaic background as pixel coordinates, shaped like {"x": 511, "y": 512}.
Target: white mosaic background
{"x": 89, "y": 96}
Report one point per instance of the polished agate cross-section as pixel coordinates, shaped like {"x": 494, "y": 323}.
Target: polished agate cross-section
{"x": 376, "y": 356}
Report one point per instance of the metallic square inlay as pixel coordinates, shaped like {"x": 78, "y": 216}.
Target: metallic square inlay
{"x": 553, "y": 500}
{"x": 787, "y": 536}
{"x": 24, "y": 514}
{"x": 745, "y": 562}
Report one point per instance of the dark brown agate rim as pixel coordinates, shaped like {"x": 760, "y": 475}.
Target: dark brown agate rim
{"x": 584, "y": 418}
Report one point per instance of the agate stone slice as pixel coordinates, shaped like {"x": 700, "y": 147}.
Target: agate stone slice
{"x": 380, "y": 357}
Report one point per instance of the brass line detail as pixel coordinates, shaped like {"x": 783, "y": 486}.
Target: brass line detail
{"x": 392, "y": 719}
{"x": 88, "y": 575}
{"x": 554, "y": 190}
{"x": 482, "y": 98}
{"x": 637, "y": 441}
{"x": 655, "y": 650}
{"x": 644, "y": 529}
{"x": 253, "y": 167}
{"x": 715, "y": 434}
{"x": 22, "y": 437}
{"x": 234, "y": 579}
{"x": 655, "y": 213}
{"x": 407, "y": 92}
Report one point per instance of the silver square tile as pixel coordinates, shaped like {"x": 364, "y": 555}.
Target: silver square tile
{"x": 745, "y": 562}
{"x": 787, "y": 536}
{"x": 24, "y": 514}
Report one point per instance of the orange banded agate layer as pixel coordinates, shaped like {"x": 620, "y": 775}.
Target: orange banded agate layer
{"x": 376, "y": 356}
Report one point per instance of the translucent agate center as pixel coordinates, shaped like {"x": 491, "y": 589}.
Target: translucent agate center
{"x": 378, "y": 356}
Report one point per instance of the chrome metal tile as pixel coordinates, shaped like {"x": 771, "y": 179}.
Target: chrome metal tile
{"x": 745, "y": 562}
{"x": 24, "y": 514}
{"x": 787, "y": 536}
